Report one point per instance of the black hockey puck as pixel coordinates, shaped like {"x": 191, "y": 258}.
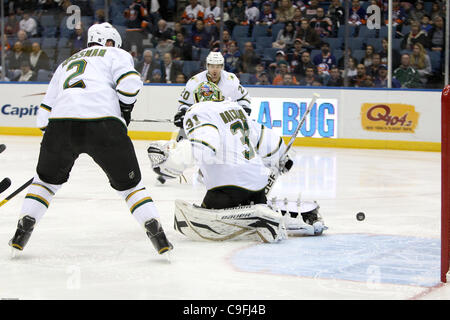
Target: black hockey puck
{"x": 360, "y": 216}
{"x": 161, "y": 179}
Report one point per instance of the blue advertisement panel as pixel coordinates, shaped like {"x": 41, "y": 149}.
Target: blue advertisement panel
{"x": 283, "y": 115}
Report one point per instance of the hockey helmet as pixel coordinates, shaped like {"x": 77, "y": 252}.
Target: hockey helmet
{"x": 215, "y": 58}
{"x": 101, "y": 33}
{"x": 207, "y": 91}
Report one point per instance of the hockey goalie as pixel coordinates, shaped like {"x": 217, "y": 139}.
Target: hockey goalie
{"x": 235, "y": 156}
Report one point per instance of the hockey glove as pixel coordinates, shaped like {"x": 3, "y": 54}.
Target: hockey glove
{"x": 126, "y": 111}
{"x": 179, "y": 118}
{"x": 286, "y": 164}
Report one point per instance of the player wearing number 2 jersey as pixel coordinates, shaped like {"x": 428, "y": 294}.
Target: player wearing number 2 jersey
{"x": 85, "y": 110}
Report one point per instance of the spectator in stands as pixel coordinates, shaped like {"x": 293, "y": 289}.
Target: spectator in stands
{"x": 137, "y": 23}
{"x": 323, "y": 73}
{"x": 417, "y": 12}
{"x": 357, "y": 14}
{"x": 351, "y": 70}
{"x": 289, "y": 80}
{"x": 192, "y": 12}
{"x": 200, "y": 37}
{"x": 384, "y": 54}
{"x": 100, "y": 16}
{"x": 436, "y": 36}
{"x": 251, "y": 12}
{"x": 281, "y": 70}
{"x": 341, "y": 61}
{"x": 26, "y": 74}
{"x": 178, "y": 27}
{"x": 436, "y": 10}
{"x": 337, "y": 15}
{"x": 407, "y": 75}
{"x": 22, "y": 6}
{"x": 381, "y": 79}
{"x": 305, "y": 62}
{"x": 165, "y": 44}
{"x": 157, "y": 76}
{"x": 286, "y": 36}
{"x": 180, "y": 78}
{"x": 297, "y": 19}
{"x": 237, "y": 15}
{"x": 23, "y": 38}
{"x": 161, "y": 28}
{"x": 335, "y": 79}
{"x": 17, "y": 57}
{"x": 249, "y": 59}
{"x": 169, "y": 68}
{"x": 321, "y": 24}
{"x": 7, "y": 46}
{"x": 263, "y": 79}
{"x": 280, "y": 55}
{"x": 38, "y": 59}
{"x": 310, "y": 38}
{"x": 146, "y": 67}
{"x": 182, "y": 49}
{"x": 398, "y": 15}
{"x": 372, "y": 70}
{"x": 267, "y": 16}
{"x": 310, "y": 78}
{"x": 12, "y": 24}
{"x": 421, "y": 62}
{"x": 311, "y": 9}
{"x": 259, "y": 69}
{"x": 285, "y": 11}
{"x": 416, "y": 35}
{"x": 368, "y": 56}
{"x": 212, "y": 13}
{"x": 294, "y": 55}
{"x": 425, "y": 24}
{"x": 86, "y": 9}
{"x": 325, "y": 56}
{"x": 361, "y": 79}
{"x": 78, "y": 39}
{"x": 232, "y": 58}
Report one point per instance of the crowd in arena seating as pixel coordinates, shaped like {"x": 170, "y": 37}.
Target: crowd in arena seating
{"x": 264, "y": 42}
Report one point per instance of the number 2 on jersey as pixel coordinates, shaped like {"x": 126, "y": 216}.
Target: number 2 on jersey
{"x": 81, "y": 67}
{"x": 242, "y": 127}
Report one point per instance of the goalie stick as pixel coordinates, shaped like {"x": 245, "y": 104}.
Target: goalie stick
{"x": 152, "y": 120}
{"x": 276, "y": 173}
{"x": 4, "y": 184}
{"x": 12, "y": 195}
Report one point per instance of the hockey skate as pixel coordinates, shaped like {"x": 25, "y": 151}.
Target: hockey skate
{"x": 25, "y": 227}
{"x": 157, "y": 236}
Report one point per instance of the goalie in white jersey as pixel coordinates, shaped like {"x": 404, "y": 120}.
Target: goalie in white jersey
{"x": 235, "y": 155}
{"x": 86, "y": 109}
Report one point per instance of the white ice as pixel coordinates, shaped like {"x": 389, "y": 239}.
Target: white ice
{"x": 88, "y": 246}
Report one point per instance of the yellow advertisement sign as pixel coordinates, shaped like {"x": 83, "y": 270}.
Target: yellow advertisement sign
{"x": 389, "y": 117}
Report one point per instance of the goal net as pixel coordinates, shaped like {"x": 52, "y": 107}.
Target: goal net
{"x": 445, "y": 183}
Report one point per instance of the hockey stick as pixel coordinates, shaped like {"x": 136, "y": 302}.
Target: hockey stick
{"x": 2, "y": 148}
{"x": 12, "y": 195}
{"x": 276, "y": 173}
{"x": 152, "y": 120}
{"x": 4, "y": 184}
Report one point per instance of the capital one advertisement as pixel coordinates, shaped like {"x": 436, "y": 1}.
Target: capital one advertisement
{"x": 284, "y": 115}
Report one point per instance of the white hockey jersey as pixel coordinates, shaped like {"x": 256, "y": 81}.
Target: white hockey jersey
{"x": 230, "y": 148}
{"x": 89, "y": 84}
{"x": 229, "y": 85}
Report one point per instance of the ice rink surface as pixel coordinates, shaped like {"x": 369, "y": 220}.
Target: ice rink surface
{"x": 88, "y": 246}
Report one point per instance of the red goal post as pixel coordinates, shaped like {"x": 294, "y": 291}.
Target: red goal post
{"x": 445, "y": 183}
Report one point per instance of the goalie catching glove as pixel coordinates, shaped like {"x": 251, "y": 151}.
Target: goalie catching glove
{"x": 126, "y": 111}
{"x": 179, "y": 118}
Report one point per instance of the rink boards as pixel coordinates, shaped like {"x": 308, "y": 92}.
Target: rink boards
{"x": 354, "y": 118}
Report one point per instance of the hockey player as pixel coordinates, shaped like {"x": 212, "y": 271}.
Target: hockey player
{"x": 228, "y": 84}
{"x": 86, "y": 109}
{"x": 235, "y": 156}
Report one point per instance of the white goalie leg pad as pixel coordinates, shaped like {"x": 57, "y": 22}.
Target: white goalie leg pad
{"x": 256, "y": 222}
{"x": 171, "y": 157}
{"x": 308, "y": 223}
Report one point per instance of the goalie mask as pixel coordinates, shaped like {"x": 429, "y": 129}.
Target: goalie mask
{"x": 207, "y": 91}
